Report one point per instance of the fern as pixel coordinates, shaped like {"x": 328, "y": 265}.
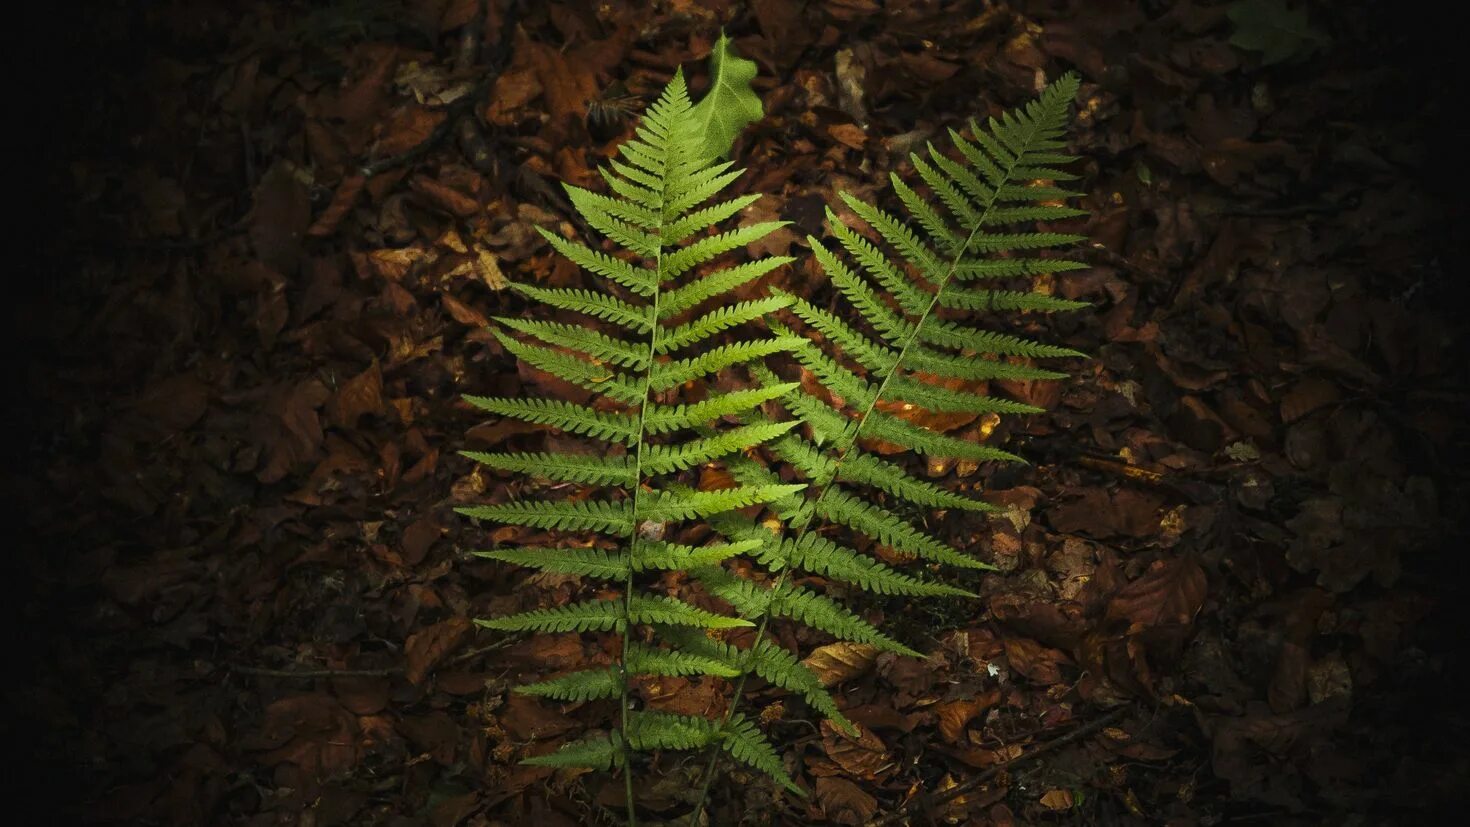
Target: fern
{"x": 632, "y": 345}
{"x": 909, "y": 353}
{"x": 909, "y": 278}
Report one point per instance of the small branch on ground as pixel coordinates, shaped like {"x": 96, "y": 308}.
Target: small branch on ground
{"x": 928, "y": 802}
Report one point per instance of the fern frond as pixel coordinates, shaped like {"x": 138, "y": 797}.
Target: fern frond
{"x": 701, "y": 187}
{"x": 585, "y": 562}
{"x": 825, "y": 614}
{"x": 744, "y": 741}
{"x": 586, "y": 685}
{"x": 596, "y": 305}
{"x": 574, "y": 419}
{"x": 717, "y": 320}
{"x": 718, "y": 283}
{"x": 939, "y": 398}
{"x": 710, "y": 247}
{"x": 652, "y": 609}
{"x": 645, "y": 660}
{"x": 614, "y": 518}
{"x": 703, "y": 219}
{"x": 640, "y": 280}
{"x": 668, "y": 505}
{"x": 889, "y": 529}
{"x": 561, "y": 467}
{"x": 819, "y": 555}
{"x": 662, "y": 459}
{"x": 917, "y": 438}
{"x": 585, "y": 200}
{"x": 948, "y": 334}
{"x": 590, "y": 343}
{"x": 667, "y": 375}
{"x": 649, "y": 730}
{"x": 660, "y": 555}
{"x": 602, "y": 752}
{"x": 661, "y": 419}
{"x": 781, "y": 668}
{"x": 984, "y": 300}
{"x": 591, "y": 616}
{"x": 580, "y": 372}
{"x": 866, "y": 469}
{"x": 890, "y": 325}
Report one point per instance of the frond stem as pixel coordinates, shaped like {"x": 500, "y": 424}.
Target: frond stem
{"x": 625, "y": 698}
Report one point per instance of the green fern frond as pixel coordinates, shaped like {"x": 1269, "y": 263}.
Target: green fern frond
{"x": 586, "y": 685}
{"x": 711, "y": 247}
{"x": 651, "y": 609}
{"x": 593, "y": 377}
{"x": 587, "y": 470}
{"x": 640, "y": 280}
{"x": 585, "y": 562}
{"x": 574, "y": 419}
{"x": 667, "y": 375}
{"x": 662, "y": 419}
{"x": 744, "y": 741}
{"x": 718, "y": 320}
{"x": 781, "y": 668}
{"x": 649, "y": 730}
{"x": 645, "y": 660}
{"x": 651, "y": 555}
{"x": 590, "y": 343}
{"x": 718, "y": 283}
{"x": 595, "y": 753}
{"x": 591, "y": 616}
{"x": 889, "y": 529}
{"x": 663, "y": 459}
{"x": 669, "y": 505}
{"x": 866, "y": 469}
{"x": 827, "y": 615}
{"x": 566, "y": 515}
{"x": 598, "y": 306}
{"x": 703, "y": 219}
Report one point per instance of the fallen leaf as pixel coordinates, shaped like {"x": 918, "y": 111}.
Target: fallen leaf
{"x": 425, "y": 649}
{"x": 845, "y": 802}
{"x": 357, "y": 397}
{"x": 840, "y": 661}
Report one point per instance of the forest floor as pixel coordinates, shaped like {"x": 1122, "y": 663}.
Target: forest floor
{"x": 1224, "y": 593}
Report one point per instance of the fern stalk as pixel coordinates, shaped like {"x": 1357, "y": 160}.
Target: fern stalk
{"x": 824, "y": 483}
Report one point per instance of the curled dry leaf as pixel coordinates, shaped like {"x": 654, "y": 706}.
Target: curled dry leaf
{"x": 425, "y": 649}
{"x": 1057, "y": 800}
{"x": 955, "y": 715}
{"x": 1170, "y": 593}
{"x": 358, "y": 396}
{"x": 845, "y": 802}
{"x": 863, "y": 757}
{"x": 840, "y": 661}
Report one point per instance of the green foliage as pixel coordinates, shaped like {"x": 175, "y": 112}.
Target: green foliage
{"x": 662, "y": 322}
{"x": 1274, "y": 29}
{"x": 631, "y": 342}
{"x": 905, "y": 276}
{"x": 731, "y": 104}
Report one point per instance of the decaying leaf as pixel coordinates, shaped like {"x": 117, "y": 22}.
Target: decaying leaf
{"x": 840, "y": 661}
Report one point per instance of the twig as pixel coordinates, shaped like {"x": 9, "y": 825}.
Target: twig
{"x": 955, "y": 792}
{"x": 315, "y": 674}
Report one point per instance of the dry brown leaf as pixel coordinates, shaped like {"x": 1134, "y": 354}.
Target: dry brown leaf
{"x": 357, "y": 397}
{"x": 1170, "y": 593}
{"x": 1057, "y": 800}
{"x": 845, "y": 802}
{"x": 840, "y": 661}
{"x": 425, "y": 649}
{"x": 864, "y": 756}
{"x": 955, "y": 715}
